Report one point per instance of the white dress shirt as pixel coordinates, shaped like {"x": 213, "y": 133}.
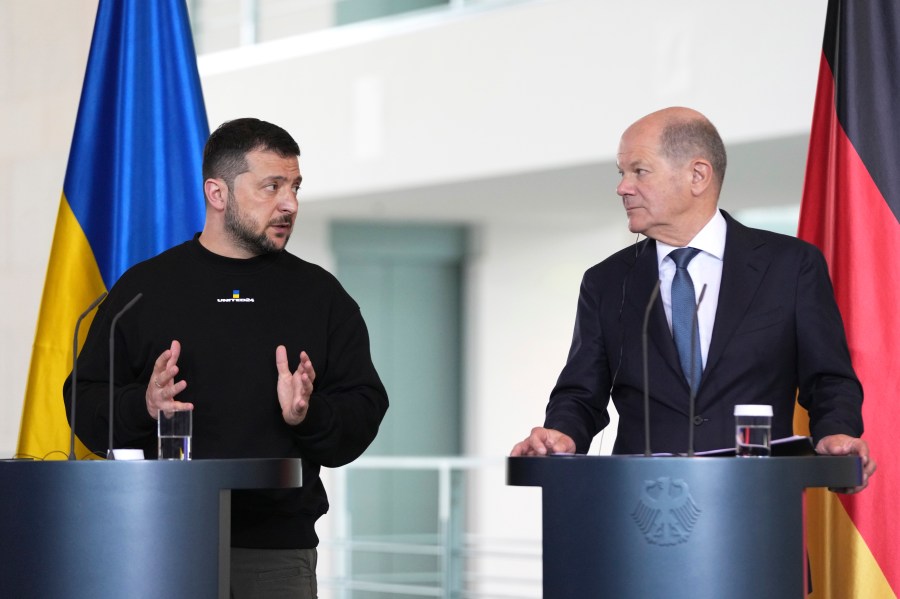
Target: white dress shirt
{"x": 705, "y": 268}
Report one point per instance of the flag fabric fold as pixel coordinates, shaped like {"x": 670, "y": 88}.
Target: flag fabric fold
{"x": 851, "y": 211}
{"x": 132, "y": 188}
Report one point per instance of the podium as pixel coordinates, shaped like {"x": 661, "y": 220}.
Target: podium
{"x": 114, "y": 529}
{"x": 692, "y": 528}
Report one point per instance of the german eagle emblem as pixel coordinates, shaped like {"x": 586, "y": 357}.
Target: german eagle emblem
{"x": 666, "y": 512}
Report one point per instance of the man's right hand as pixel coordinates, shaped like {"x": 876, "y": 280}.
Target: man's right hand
{"x": 162, "y": 388}
{"x": 544, "y": 441}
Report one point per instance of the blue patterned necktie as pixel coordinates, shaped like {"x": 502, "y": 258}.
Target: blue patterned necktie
{"x": 683, "y": 307}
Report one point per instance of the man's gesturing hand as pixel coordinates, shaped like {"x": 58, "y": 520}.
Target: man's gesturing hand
{"x": 162, "y": 388}
{"x": 295, "y": 388}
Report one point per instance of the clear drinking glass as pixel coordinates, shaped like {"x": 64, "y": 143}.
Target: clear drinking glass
{"x": 753, "y": 430}
{"x": 175, "y": 429}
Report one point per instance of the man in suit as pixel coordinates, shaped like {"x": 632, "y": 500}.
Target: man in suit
{"x": 769, "y": 329}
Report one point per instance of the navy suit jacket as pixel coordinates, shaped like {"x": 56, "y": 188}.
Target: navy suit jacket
{"x": 777, "y": 330}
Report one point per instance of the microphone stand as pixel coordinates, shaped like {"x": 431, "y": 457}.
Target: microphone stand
{"x": 653, "y": 296}
{"x": 75, "y": 371}
{"x": 695, "y": 332}
{"x": 112, "y": 345}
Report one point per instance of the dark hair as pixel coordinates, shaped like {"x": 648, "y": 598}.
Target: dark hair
{"x": 682, "y": 140}
{"x": 225, "y": 154}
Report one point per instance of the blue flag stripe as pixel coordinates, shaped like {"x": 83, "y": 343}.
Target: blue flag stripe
{"x": 134, "y": 174}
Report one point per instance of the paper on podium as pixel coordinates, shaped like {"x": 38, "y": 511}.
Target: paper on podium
{"x": 795, "y": 446}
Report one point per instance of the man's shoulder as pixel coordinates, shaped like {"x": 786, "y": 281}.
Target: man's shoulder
{"x": 777, "y": 244}
{"x": 174, "y": 256}
{"x": 313, "y": 280}
{"x": 623, "y": 260}
{"x": 310, "y": 270}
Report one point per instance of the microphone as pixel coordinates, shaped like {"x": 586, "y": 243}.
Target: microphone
{"x": 112, "y": 346}
{"x": 692, "y": 399}
{"x": 653, "y": 296}
{"x": 93, "y": 305}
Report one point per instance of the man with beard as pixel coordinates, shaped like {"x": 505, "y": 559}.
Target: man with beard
{"x": 268, "y": 350}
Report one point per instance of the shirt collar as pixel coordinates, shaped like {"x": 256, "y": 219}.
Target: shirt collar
{"x": 710, "y": 239}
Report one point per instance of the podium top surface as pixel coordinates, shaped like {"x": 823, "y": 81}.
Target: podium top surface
{"x": 259, "y": 473}
{"x": 800, "y": 472}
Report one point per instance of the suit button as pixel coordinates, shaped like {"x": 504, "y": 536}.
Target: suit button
{"x": 698, "y": 420}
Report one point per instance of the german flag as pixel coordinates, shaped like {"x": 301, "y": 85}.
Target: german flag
{"x": 851, "y": 211}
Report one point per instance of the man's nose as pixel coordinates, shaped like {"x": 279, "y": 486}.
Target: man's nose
{"x": 287, "y": 201}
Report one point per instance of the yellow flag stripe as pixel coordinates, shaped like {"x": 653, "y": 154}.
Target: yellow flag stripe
{"x": 73, "y": 281}
{"x": 842, "y": 565}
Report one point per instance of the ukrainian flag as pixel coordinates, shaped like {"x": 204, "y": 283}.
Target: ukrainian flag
{"x": 133, "y": 188}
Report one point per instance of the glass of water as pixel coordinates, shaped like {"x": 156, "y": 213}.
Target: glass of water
{"x": 175, "y": 429}
{"x": 753, "y": 430}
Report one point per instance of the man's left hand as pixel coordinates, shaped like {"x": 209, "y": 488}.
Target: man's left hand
{"x": 294, "y": 388}
{"x": 847, "y": 445}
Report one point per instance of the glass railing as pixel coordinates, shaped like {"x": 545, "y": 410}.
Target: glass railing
{"x": 447, "y": 557}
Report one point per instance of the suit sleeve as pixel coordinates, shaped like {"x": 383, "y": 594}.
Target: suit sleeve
{"x": 828, "y": 387}
{"x": 578, "y": 403}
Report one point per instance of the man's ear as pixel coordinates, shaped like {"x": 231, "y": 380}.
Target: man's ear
{"x": 216, "y": 192}
{"x": 701, "y": 176}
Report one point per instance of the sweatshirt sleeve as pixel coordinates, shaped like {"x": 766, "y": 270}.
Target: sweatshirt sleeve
{"x": 348, "y": 401}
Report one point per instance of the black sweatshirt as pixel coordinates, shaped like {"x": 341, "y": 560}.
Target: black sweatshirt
{"x": 229, "y": 316}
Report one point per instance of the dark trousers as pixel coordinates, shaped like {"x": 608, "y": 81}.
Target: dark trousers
{"x": 273, "y": 573}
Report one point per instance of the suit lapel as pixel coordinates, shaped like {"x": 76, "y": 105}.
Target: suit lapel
{"x": 645, "y": 276}
{"x": 743, "y": 268}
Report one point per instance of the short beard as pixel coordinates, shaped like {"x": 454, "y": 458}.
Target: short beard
{"x": 240, "y": 229}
